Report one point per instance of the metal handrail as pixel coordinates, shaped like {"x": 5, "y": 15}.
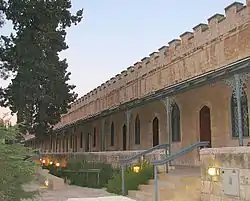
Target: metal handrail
{"x": 134, "y": 157}
{"x": 126, "y": 161}
{"x": 172, "y": 157}
{"x": 178, "y": 154}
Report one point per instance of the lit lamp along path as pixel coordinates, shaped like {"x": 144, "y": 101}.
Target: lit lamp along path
{"x": 46, "y": 184}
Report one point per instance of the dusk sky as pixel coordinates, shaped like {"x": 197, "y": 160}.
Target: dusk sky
{"x": 115, "y": 34}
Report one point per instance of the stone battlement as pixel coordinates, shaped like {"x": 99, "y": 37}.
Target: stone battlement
{"x": 169, "y": 65}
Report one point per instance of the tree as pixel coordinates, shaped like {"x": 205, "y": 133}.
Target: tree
{"x": 39, "y": 92}
{"x": 16, "y": 170}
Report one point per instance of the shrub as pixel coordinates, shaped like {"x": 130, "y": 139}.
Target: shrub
{"x": 132, "y": 180}
{"x": 84, "y": 179}
{"x": 58, "y": 172}
{"x": 16, "y": 170}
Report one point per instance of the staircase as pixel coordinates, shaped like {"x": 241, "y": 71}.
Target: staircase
{"x": 181, "y": 184}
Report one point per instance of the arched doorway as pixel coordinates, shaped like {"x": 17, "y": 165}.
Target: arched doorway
{"x": 155, "y": 131}
{"x": 205, "y": 125}
{"x": 124, "y": 137}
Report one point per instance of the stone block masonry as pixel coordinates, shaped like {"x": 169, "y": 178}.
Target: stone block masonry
{"x": 233, "y": 181}
{"x": 109, "y": 157}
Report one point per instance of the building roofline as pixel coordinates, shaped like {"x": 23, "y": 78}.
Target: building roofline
{"x": 191, "y": 83}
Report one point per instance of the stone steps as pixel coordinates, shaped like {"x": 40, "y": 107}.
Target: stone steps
{"x": 178, "y": 185}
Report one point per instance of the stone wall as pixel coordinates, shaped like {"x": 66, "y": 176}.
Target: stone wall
{"x": 110, "y": 157}
{"x": 233, "y": 181}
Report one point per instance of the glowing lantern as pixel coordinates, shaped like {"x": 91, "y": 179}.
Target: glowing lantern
{"x": 136, "y": 169}
{"x": 46, "y": 182}
{"x": 212, "y": 171}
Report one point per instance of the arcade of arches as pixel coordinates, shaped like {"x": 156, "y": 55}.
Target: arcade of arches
{"x": 208, "y": 113}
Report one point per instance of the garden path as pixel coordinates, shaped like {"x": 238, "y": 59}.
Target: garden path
{"x": 71, "y": 193}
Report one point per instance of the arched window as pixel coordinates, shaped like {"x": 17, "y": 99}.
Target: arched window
{"x": 176, "y": 124}
{"x": 63, "y": 143}
{"x": 56, "y": 143}
{"x": 67, "y": 144}
{"x": 94, "y": 138}
{"x": 51, "y": 142}
{"x": 71, "y": 141}
{"x": 81, "y": 140}
{"x": 244, "y": 113}
{"x": 137, "y": 130}
{"x": 155, "y": 131}
{"x": 112, "y": 136}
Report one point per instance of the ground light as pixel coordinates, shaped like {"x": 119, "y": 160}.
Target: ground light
{"x": 57, "y": 164}
{"x": 46, "y": 183}
{"x": 136, "y": 169}
{"x": 213, "y": 172}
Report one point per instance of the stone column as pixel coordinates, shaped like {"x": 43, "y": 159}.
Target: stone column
{"x": 128, "y": 119}
{"x": 237, "y": 83}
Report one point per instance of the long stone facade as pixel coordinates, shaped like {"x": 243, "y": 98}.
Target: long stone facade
{"x": 195, "y": 89}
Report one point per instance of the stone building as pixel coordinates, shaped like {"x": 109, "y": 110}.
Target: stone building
{"x": 197, "y": 88}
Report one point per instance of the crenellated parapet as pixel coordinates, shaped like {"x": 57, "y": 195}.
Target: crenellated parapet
{"x": 203, "y": 34}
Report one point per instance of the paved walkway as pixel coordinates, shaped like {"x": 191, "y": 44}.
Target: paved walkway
{"x": 109, "y": 198}
{"x": 73, "y": 192}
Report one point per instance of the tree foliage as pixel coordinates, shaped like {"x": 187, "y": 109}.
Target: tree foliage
{"x": 39, "y": 92}
{"x": 15, "y": 170}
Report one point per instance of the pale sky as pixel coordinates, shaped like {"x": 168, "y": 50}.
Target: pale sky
{"x": 115, "y": 34}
